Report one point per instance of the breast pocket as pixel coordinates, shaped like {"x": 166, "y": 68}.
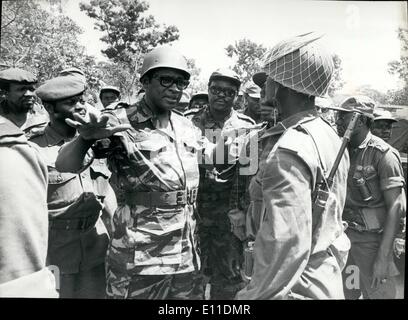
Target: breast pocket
{"x": 63, "y": 188}
{"x": 152, "y": 148}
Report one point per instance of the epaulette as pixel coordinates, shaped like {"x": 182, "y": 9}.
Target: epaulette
{"x": 191, "y": 112}
{"x": 379, "y": 144}
{"x": 117, "y": 105}
{"x": 35, "y": 132}
{"x": 244, "y": 117}
{"x": 9, "y": 129}
{"x": 178, "y": 112}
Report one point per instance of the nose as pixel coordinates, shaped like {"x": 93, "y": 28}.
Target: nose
{"x": 29, "y": 93}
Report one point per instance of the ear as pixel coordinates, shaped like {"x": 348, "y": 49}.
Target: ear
{"x": 145, "y": 83}
{"x": 49, "y": 107}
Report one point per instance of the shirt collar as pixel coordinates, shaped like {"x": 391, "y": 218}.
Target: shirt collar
{"x": 365, "y": 142}
{"x": 53, "y": 137}
{"x": 291, "y": 121}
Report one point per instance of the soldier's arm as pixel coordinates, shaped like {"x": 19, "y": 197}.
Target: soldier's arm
{"x": 94, "y": 127}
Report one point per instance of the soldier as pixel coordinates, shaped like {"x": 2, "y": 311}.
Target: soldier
{"x": 221, "y": 250}
{"x": 183, "y": 104}
{"x": 19, "y": 100}
{"x": 382, "y": 126}
{"x": 23, "y": 205}
{"x": 198, "y": 100}
{"x": 295, "y": 251}
{"x": 78, "y": 239}
{"x": 252, "y": 95}
{"x": 108, "y": 95}
{"x": 375, "y": 203}
{"x": 153, "y": 251}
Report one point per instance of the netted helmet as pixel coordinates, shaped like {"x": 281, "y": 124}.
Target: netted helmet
{"x": 164, "y": 57}
{"x": 300, "y": 64}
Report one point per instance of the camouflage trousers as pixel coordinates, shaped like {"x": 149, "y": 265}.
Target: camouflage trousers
{"x": 182, "y": 286}
{"x": 221, "y": 259}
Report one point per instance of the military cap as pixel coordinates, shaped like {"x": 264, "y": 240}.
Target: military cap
{"x": 71, "y": 71}
{"x": 224, "y": 73}
{"x": 60, "y": 88}
{"x": 200, "y": 94}
{"x": 357, "y": 103}
{"x": 17, "y": 75}
{"x": 259, "y": 78}
{"x": 383, "y": 115}
{"x": 253, "y": 90}
{"x": 109, "y": 88}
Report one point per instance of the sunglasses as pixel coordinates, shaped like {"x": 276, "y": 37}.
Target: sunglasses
{"x": 228, "y": 92}
{"x": 167, "y": 81}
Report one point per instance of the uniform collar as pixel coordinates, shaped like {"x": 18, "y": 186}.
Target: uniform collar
{"x": 52, "y": 136}
{"x": 365, "y": 142}
{"x": 210, "y": 122}
{"x": 291, "y": 121}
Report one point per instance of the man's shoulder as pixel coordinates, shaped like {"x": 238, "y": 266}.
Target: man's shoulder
{"x": 379, "y": 144}
{"x": 192, "y": 113}
{"x": 38, "y": 136}
{"x": 9, "y": 132}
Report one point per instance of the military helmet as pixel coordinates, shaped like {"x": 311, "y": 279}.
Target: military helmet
{"x": 109, "y": 88}
{"x": 380, "y": 114}
{"x": 300, "y": 64}
{"x": 357, "y": 103}
{"x": 164, "y": 57}
{"x": 224, "y": 73}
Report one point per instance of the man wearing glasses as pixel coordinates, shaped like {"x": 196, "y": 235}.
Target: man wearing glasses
{"x": 153, "y": 155}
{"x": 221, "y": 248}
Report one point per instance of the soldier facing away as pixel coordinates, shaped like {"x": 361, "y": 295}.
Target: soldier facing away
{"x": 296, "y": 246}
{"x": 23, "y": 205}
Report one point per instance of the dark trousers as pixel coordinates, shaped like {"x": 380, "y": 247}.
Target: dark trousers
{"x": 88, "y": 284}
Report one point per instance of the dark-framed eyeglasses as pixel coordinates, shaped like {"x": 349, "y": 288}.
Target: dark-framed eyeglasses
{"x": 167, "y": 81}
{"x": 228, "y": 92}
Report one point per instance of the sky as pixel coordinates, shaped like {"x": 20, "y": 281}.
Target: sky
{"x": 363, "y": 33}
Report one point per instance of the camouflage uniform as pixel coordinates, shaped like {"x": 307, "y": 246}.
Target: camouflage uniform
{"x": 23, "y": 217}
{"x": 216, "y": 197}
{"x": 380, "y": 165}
{"x": 153, "y": 253}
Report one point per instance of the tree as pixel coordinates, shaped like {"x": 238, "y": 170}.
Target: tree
{"x": 129, "y": 34}
{"x": 337, "y": 79}
{"x": 400, "y": 68}
{"x": 374, "y": 94}
{"x": 36, "y": 40}
{"x": 195, "y": 83}
{"x": 247, "y": 55}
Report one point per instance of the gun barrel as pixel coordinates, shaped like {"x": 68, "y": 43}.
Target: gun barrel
{"x": 346, "y": 139}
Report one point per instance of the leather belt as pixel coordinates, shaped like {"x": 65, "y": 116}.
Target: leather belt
{"x": 212, "y": 196}
{"x": 157, "y": 198}
{"x": 73, "y": 224}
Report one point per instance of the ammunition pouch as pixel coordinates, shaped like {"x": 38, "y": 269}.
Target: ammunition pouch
{"x": 365, "y": 219}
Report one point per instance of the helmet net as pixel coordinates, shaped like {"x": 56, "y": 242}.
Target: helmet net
{"x": 301, "y": 65}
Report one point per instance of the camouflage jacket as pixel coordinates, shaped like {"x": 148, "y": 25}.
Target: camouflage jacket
{"x": 153, "y": 236}
{"x": 219, "y": 189}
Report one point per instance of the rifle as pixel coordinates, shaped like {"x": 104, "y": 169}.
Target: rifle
{"x": 324, "y": 185}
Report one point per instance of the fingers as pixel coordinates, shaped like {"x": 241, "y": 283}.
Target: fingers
{"x": 72, "y": 123}
{"x": 120, "y": 128}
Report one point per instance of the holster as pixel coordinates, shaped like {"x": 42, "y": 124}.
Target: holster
{"x": 365, "y": 219}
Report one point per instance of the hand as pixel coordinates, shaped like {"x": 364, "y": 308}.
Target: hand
{"x": 97, "y": 127}
{"x": 237, "y": 219}
{"x": 380, "y": 272}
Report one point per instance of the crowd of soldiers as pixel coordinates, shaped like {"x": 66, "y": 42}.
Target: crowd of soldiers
{"x": 241, "y": 192}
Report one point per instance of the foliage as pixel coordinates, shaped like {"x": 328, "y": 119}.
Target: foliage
{"x": 247, "y": 55}
{"x": 400, "y": 68}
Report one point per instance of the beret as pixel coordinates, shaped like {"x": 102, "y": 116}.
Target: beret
{"x": 60, "y": 88}
{"x": 17, "y": 75}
